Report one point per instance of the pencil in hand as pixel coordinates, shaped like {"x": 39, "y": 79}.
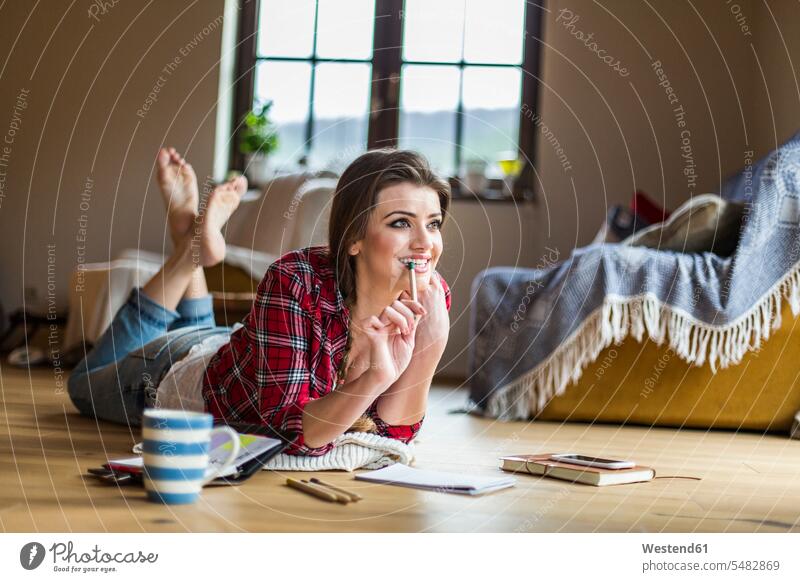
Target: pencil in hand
{"x": 413, "y": 282}
{"x": 412, "y": 279}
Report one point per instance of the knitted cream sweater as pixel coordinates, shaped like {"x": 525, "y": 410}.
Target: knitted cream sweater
{"x": 352, "y": 450}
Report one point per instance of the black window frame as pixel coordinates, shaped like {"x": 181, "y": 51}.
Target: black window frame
{"x": 387, "y": 62}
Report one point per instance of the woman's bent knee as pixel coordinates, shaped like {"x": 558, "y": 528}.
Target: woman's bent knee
{"x": 78, "y": 389}
{"x": 104, "y": 398}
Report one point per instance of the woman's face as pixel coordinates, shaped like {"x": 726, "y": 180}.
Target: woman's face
{"x": 404, "y": 225}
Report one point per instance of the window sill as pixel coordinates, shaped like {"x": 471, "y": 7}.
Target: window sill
{"x": 489, "y": 198}
{"x": 496, "y": 192}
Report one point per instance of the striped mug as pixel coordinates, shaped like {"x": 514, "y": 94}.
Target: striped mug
{"x": 175, "y": 450}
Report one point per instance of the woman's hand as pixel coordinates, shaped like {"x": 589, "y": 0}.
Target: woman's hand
{"x": 385, "y": 344}
{"x": 433, "y": 329}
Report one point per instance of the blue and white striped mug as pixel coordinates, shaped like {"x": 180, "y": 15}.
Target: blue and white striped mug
{"x": 175, "y": 450}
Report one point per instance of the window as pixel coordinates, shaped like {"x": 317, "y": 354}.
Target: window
{"x": 461, "y": 82}
{"x": 314, "y": 62}
{"x": 446, "y": 78}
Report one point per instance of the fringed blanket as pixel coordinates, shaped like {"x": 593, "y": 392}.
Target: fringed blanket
{"x": 534, "y": 331}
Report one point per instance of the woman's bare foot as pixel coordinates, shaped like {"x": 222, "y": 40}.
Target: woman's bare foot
{"x": 208, "y": 243}
{"x": 178, "y": 184}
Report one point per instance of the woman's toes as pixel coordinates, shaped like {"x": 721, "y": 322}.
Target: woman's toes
{"x": 221, "y": 204}
{"x": 179, "y": 189}
{"x": 240, "y": 184}
{"x": 163, "y": 158}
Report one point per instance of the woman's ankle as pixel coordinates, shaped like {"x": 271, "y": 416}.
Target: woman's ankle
{"x": 198, "y": 288}
{"x": 185, "y": 256}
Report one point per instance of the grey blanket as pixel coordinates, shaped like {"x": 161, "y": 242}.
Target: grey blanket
{"x": 533, "y": 331}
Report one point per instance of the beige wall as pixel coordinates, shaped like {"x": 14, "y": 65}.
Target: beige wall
{"x": 86, "y": 78}
{"x": 620, "y": 132}
{"x": 477, "y": 236}
{"x": 776, "y": 103}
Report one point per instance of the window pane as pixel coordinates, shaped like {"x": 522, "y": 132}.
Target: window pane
{"x": 287, "y": 85}
{"x": 491, "y": 97}
{"x": 286, "y": 28}
{"x": 344, "y": 29}
{"x": 428, "y": 103}
{"x": 433, "y": 31}
{"x": 494, "y": 31}
{"x": 341, "y": 106}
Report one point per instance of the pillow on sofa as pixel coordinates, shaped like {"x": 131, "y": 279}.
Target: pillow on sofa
{"x": 621, "y": 222}
{"x": 706, "y": 223}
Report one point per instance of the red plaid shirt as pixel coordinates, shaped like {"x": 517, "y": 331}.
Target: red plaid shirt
{"x": 288, "y": 351}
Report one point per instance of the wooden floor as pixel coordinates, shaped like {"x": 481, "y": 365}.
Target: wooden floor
{"x": 750, "y": 483}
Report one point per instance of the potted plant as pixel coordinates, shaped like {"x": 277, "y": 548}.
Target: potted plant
{"x": 258, "y": 139}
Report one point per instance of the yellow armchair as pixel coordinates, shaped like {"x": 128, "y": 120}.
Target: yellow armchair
{"x": 650, "y": 385}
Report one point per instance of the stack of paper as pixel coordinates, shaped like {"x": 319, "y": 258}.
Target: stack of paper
{"x": 405, "y": 476}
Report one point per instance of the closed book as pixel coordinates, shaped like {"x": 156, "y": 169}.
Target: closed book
{"x": 542, "y": 464}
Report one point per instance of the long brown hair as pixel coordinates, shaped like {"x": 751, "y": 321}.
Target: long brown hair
{"x": 356, "y": 195}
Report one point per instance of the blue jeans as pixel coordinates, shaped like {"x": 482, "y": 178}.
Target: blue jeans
{"x": 119, "y": 377}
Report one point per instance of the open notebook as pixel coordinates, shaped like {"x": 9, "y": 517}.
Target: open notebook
{"x": 251, "y": 447}
{"x": 405, "y": 476}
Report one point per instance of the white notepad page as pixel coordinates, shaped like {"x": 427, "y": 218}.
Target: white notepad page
{"x": 399, "y": 474}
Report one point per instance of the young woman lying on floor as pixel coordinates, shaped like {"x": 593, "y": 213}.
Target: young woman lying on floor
{"x": 333, "y": 340}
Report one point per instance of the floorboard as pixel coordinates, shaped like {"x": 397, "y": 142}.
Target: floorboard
{"x": 748, "y": 482}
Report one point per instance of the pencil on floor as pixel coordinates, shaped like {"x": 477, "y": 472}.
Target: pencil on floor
{"x": 312, "y": 490}
{"x": 340, "y": 496}
{"x": 350, "y": 494}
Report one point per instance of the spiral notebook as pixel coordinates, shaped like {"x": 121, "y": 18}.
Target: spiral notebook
{"x": 440, "y": 481}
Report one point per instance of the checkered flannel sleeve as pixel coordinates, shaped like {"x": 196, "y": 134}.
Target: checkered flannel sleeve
{"x": 282, "y": 329}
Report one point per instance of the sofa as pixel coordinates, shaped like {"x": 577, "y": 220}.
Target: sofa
{"x": 647, "y": 384}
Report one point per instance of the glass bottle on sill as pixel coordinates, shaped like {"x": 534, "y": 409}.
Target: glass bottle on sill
{"x": 511, "y": 166}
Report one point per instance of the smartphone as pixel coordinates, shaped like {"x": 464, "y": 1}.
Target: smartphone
{"x": 574, "y": 459}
